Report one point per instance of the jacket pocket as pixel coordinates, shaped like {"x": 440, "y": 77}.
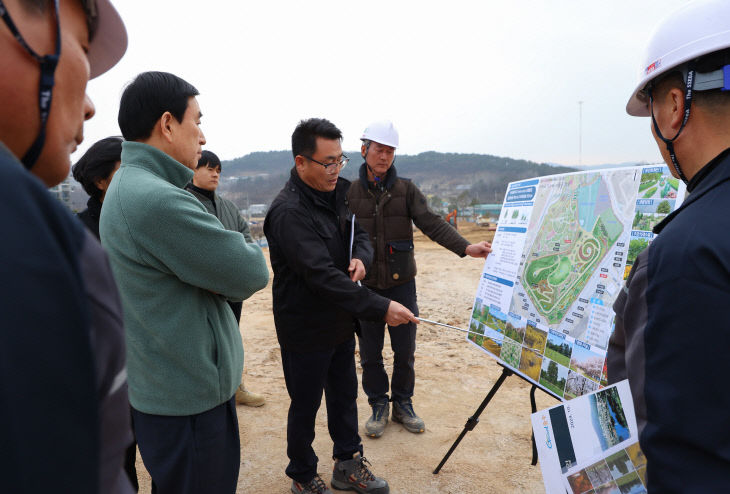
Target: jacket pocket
{"x": 400, "y": 259}
{"x": 214, "y": 340}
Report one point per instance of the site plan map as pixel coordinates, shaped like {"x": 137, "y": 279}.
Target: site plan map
{"x": 563, "y": 247}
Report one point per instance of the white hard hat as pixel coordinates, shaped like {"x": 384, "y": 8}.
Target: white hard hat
{"x": 110, "y": 39}
{"x": 382, "y": 132}
{"x": 698, "y": 28}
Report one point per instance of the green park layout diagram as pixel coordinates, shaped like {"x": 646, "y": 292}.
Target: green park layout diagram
{"x": 563, "y": 248}
{"x": 583, "y": 218}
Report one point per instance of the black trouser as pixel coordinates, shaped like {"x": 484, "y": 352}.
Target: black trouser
{"x": 306, "y": 376}
{"x": 130, "y": 457}
{"x": 192, "y": 454}
{"x": 403, "y": 343}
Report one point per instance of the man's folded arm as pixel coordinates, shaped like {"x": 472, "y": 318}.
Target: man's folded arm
{"x": 194, "y": 245}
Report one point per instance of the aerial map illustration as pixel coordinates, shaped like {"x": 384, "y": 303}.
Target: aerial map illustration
{"x": 575, "y": 248}
{"x": 563, "y": 248}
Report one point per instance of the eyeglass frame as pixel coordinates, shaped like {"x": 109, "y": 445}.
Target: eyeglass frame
{"x": 342, "y": 163}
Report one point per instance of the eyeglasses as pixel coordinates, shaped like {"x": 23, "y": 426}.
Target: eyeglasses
{"x": 331, "y": 166}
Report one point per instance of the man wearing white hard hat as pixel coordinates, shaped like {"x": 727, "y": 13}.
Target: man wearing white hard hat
{"x": 386, "y": 206}
{"x": 671, "y": 335}
{"x": 63, "y": 405}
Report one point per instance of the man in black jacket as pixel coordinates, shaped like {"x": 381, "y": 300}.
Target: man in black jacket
{"x": 316, "y": 302}
{"x": 61, "y": 338}
{"x": 671, "y": 335}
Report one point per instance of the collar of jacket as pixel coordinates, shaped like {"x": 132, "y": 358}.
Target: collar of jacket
{"x": 155, "y": 161}
{"x": 714, "y": 173}
{"x": 705, "y": 171}
{"x": 390, "y": 177}
{"x": 4, "y": 150}
{"x": 308, "y": 192}
{"x": 94, "y": 206}
{"x": 208, "y": 194}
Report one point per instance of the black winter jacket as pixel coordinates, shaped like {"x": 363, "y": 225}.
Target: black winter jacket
{"x": 671, "y": 340}
{"x": 315, "y": 302}
{"x": 61, "y": 342}
{"x": 90, "y": 215}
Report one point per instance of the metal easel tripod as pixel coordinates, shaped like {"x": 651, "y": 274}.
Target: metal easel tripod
{"x": 474, "y": 419}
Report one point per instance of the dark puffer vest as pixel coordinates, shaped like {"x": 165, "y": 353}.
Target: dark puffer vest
{"x": 387, "y": 212}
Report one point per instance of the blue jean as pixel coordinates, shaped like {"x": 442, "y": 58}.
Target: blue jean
{"x": 307, "y": 375}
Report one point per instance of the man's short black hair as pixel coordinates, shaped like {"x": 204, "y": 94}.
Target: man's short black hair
{"x": 147, "y": 98}
{"x": 304, "y": 138}
{"x": 713, "y": 99}
{"x": 209, "y": 159}
{"x": 98, "y": 162}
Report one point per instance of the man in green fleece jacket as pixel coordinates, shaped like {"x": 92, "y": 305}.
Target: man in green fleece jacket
{"x": 176, "y": 267}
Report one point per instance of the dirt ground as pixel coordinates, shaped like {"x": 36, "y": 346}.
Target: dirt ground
{"x": 453, "y": 377}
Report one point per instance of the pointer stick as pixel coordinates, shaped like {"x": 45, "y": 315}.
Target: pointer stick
{"x": 444, "y": 325}
{"x": 454, "y": 327}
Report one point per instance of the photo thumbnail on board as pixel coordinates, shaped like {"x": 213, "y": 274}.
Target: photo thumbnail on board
{"x": 590, "y": 444}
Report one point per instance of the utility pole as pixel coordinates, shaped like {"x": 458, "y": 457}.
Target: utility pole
{"x": 580, "y": 133}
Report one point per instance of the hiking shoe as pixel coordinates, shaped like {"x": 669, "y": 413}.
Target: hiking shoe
{"x": 375, "y": 426}
{"x": 314, "y": 486}
{"x": 354, "y": 475}
{"x": 246, "y": 397}
{"x": 403, "y": 413}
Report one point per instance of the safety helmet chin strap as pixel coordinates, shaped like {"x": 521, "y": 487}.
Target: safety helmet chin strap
{"x": 376, "y": 177}
{"x": 48, "y": 65}
{"x": 687, "y": 105}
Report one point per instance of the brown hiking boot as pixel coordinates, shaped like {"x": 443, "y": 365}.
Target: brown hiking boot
{"x": 314, "y": 486}
{"x": 354, "y": 475}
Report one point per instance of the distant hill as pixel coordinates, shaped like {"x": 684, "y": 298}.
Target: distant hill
{"x": 450, "y": 179}
{"x": 458, "y": 179}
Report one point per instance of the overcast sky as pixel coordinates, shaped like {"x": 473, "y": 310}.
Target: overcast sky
{"x": 483, "y": 76}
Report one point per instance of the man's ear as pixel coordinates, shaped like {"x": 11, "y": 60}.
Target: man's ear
{"x": 164, "y": 124}
{"x": 675, "y": 100}
{"x": 299, "y": 161}
{"x": 102, "y": 183}
{"x": 363, "y": 151}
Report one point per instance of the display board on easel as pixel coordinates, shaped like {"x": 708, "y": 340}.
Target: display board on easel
{"x": 563, "y": 248}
